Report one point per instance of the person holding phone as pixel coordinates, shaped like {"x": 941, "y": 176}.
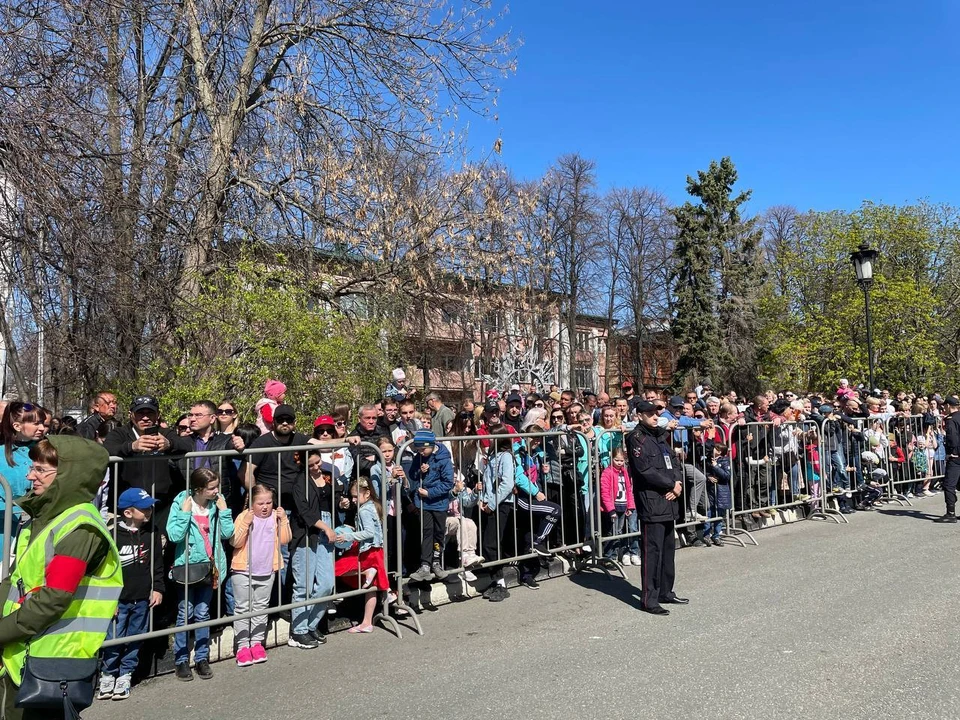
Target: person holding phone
{"x": 151, "y": 446}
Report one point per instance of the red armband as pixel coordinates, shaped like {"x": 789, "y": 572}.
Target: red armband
{"x": 65, "y": 573}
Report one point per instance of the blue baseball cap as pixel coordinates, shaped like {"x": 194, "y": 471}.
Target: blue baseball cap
{"x": 135, "y": 498}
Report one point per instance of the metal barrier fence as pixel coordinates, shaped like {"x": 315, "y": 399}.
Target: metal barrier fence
{"x": 913, "y": 442}
{"x": 305, "y": 584}
{"x": 518, "y": 497}
{"x": 776, "y": 466}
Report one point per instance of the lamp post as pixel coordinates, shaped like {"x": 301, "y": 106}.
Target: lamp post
{"x": 863, "y": 260}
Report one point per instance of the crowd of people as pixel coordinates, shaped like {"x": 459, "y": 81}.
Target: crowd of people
{"x": 456, "y": 491}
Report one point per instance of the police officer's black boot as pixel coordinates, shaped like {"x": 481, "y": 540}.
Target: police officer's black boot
{"x": 947, "y": 517}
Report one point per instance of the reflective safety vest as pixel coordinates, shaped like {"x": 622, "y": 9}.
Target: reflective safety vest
{"x": 81, "y": 630}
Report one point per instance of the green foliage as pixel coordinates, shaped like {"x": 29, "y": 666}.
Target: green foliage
{"x": 812, "y": 329}
{"x": 251, "y": 323}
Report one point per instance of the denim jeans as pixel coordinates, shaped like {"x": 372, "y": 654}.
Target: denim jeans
{"x": 285, "y": 555}
{"x": 312, "y": 577}
{"x": 196, "y": 610}
{"x": 839, "y": 470}
{"x": 132, "y": 618}
{"x": 633, "y": 526}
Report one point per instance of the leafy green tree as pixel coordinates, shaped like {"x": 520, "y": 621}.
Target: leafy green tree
{"x": 257, "y": 321}
{"x": 812, "y": 329}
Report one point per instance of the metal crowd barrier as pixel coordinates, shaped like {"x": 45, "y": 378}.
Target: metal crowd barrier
{"x": 233, "y": 465}
{"x": 774, "y": 468}
{"x": 918, "y": 441}
{"x": 7, "y": 527}
{"x": 504, "y": 535}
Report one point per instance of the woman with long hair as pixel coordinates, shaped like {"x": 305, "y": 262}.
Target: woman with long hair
{"x": 21, "y": 427}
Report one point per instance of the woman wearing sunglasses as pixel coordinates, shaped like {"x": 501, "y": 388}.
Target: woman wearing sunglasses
{"x": 227, "y": 418}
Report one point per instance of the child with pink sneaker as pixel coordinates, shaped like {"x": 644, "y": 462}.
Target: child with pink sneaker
{"x": 258, "y": 534}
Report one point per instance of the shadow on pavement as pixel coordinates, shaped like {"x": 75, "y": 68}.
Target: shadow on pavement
{"x": 614, "y": 586}
{"x": 908, "y": 512}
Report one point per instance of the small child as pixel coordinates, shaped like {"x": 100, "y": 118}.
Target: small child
{"x": 143, "y": 587}
{"x": 366, "y": 554}
{"x": 811, "y": 468}
{"x": 431, "y": 483}
{"x": 258, "y": 534}
{"x": 616, "y": 502}
{"x": 718, "y": 493}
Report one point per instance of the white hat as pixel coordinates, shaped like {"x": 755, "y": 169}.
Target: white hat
{"x": 399, "y": 374}
{"x": 515, "y": 388}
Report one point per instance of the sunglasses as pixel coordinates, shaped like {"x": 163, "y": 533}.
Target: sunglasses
{"x": 284, "y": 421}
{"x": 225, "y": 411}
{"x": 183, "y": 428}
{"x": 341, "y": 423}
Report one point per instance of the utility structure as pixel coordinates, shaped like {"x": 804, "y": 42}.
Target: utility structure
{"x": 863, "y": 259}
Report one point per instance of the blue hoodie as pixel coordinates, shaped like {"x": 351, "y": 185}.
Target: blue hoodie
{"x": 437, "y": 480}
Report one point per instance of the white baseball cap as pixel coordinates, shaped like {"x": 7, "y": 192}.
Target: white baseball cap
{"x": 399, "y": 374}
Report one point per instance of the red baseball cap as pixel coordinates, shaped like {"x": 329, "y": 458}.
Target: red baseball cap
{"x": 324, "y": 420}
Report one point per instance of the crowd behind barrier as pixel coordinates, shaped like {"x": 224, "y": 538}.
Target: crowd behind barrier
{"x": 221, "y": 523}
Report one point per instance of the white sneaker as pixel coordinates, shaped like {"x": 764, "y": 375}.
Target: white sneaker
{"x": 635, "y": 559}
{"x": 587, "y": 548}
{"x": 107, "y": 684}
{"x": 469, "y": 576}
{"x": 625, "y": 560}
{"x": 928, "y": 493}
{"x": 121, "y": 690}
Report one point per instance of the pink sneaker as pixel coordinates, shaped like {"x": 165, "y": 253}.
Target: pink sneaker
{"x": 258, "y": 653}
{"x": 245, "y": 657}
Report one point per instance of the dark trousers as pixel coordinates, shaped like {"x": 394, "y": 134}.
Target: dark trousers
{"x": 950, "y": 484}
{"x": 493, "y": 526}
{"x": 432, "y": 535}
{"x": 657, "y": 570}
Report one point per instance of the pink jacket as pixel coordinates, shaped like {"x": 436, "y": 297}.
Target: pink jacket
{"x": 608, "y": 488}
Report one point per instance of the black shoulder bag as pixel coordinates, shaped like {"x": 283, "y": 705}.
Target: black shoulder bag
{"x": 57, "y": 684}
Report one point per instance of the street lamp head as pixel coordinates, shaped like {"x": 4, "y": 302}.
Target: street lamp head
{"x": 863, "y": 260}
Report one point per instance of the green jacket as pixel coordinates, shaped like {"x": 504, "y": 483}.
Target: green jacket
{"x": 82, "y": 465}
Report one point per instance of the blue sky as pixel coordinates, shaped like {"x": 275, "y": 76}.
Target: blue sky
{"x": 821, "y": 105}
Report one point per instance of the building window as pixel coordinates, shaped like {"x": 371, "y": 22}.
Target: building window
{"x": 583, "y": 340}
{"x": 583, "y": 376}
{"x": 451, "y": 358}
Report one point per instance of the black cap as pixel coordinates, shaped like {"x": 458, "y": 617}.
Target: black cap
{"x": 645, "y": 406}
{"x": 951, "y": 400}
{"x": 676, "y": 401}
{"x": 491, "y": 406}
{"x": 284, "y": 411}
{"x": 589, "y": 393}
{"x": 514, "y": 397}
{"x": 145, "y": 402}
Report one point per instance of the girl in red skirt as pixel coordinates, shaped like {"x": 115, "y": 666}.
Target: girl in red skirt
{"x": 365, "y": 556}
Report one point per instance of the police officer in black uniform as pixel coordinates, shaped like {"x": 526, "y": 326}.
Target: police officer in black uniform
{"x": 657, "y": 485}
{"x": 952, "y": 448}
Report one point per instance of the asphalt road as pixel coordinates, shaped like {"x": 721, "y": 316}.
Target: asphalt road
{"x": 820, "y": 621}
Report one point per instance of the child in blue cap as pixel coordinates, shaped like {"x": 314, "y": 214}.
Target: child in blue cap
{"x": 142, "y": 566}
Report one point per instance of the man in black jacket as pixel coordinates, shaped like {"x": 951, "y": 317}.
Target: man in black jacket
{"x": 203, "y": 431}
{"x": 104, "y": 408}
{"x": 151, "y": 447}
{"x": 657, "y": 485}
{"x": 952, "y": 448}
{"x": 367, "y": 431}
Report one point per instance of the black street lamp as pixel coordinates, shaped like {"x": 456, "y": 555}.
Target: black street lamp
{"x": 863, "y": 260}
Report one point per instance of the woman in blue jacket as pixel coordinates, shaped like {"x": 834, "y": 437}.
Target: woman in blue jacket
{"x": 199, "y": 522}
